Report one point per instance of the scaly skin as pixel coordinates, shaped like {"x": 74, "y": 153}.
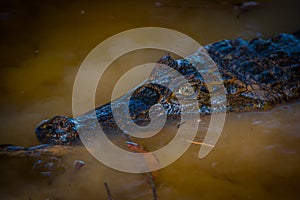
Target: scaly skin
{"x": 257, "y": 75}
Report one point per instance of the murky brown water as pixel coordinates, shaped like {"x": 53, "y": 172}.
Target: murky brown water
{"x": 42, "y": 46}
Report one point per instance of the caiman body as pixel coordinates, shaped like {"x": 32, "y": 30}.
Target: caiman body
{"x": 257, "y": 75}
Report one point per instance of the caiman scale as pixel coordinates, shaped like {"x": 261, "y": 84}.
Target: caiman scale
{"x": 257, "y": 75}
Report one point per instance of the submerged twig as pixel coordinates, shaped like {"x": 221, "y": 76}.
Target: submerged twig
{"x": 109, "y": 197}
{"x": 152, "y": 184}
{"x": 200, "y": 143}
{"x": 245, "y": 6}
{"x": 134, "y": 147}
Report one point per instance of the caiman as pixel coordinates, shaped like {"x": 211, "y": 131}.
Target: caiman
{"x": 257, "y": 75}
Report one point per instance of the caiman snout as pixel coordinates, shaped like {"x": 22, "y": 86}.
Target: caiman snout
{"x": 57, "y": 130}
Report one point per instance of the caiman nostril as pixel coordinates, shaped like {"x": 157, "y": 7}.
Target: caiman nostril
{"x": 41, "y": 124}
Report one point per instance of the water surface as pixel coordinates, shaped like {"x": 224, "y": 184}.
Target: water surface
{"x": 42, "y": 47}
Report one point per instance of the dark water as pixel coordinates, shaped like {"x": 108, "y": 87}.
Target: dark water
{"x": 42, "y": 47}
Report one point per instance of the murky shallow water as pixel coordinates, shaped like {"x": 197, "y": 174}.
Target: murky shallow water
{"x": 42, "y": 46}
{"x": 257, "y": 157}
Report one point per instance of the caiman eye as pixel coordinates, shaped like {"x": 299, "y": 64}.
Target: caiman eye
{"x": 186, "y": 91}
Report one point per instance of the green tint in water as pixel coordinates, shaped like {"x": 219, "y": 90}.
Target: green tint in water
{"x": 42, "y": 46}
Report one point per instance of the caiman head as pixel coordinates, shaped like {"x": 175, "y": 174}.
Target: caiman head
{"x": 62, "y": 130}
